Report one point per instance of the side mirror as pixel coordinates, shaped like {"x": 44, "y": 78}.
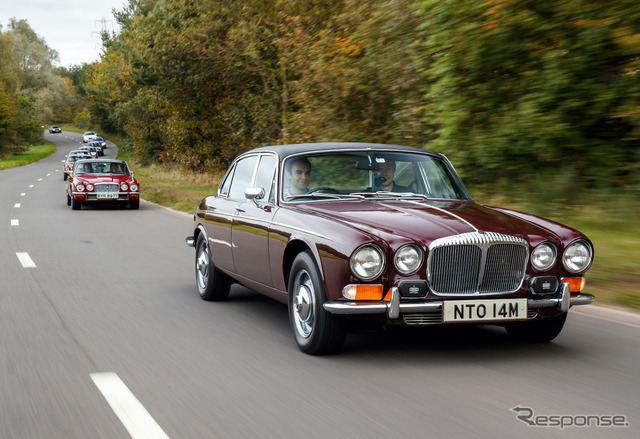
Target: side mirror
{"x": 251, "y": 193}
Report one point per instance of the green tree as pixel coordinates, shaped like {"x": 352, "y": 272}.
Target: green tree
{"x": 519, "y": 89}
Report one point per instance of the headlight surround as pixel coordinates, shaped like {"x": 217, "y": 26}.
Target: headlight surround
{"x": 577, "y": 256}
{"x": 544, "y": 256}
{"x": 80, "y": 187}
{"x": 408, "y": 259}
{"x": 124, "y": 187}
{"x": 367, "y": 262}
{"x": 134, "y": 187}
{"x": 89, "y": 187}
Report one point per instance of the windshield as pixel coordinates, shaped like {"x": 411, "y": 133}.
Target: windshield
{"x": 367, "y": 174}
{"x": 101, "y": 168}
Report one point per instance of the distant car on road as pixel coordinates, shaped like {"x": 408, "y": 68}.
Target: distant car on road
{"x": 88, "y": 136}
{"x": 72, "y": 158}
{"x": 382, "y": 234}
{"x": 98, "y": 146}
{"x": 102, "y": 141}
{"x": 54, "y": 129}
{"x": 102, "y": 181}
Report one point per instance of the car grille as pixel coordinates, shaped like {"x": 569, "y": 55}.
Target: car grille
{"x": 107, "y": 187}
{"x": 477, "y": 263}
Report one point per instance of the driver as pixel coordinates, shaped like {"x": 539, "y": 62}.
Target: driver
{"x": 387, "y": 171}
{"x": 298, "y": 172}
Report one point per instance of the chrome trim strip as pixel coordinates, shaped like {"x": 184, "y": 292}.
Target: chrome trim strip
{"x": 423, "y": 307}
{"x": 286, "y": 226}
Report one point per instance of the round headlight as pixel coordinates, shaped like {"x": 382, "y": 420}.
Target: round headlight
{"x": 367, "y": 262}
{"x": 578, "y": 256}
{"x": 124, "y": 186}
{"x": 543, "y": 256}
{"x": 134, "y": 187}
{"x": 80, "y": 187}
{"x": 408, "y": 259}
{"x": 89, "y": 187}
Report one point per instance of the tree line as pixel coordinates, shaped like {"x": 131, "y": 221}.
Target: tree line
{"x": 513, "y": 90}
{"x": 33, "y": 92}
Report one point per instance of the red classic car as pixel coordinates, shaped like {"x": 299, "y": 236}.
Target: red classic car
{"x": 71, "y": 159}
{"x": 102, "y": 181}
{"x": 384, "y": 234}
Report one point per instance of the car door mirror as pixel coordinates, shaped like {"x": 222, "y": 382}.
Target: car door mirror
{"x": 253, "y": 193}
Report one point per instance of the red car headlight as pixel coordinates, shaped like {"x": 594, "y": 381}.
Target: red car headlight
{"x": 80, "y": 187}
{"x": 133, "y": 187}
{"x": 124, "y": 187}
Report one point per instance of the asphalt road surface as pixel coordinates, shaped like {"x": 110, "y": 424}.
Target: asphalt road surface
{"x": 103, "y": 335}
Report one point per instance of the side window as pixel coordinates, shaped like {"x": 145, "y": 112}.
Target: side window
{"x": 223, "y": 190}
{"x": 264, "y": 176}
{"x": 242, "y": 177}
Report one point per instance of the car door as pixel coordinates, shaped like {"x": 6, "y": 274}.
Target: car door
{"x": 251, "y": 225}
{"x": 221, "y": 210}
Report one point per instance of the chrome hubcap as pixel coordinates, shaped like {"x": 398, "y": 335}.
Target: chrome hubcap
{"x": 202, "y": 267}
{"x": 303, "y": 315}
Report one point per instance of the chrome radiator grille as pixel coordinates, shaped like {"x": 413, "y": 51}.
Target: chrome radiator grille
{"x": 477, "y": 263}
{"x": 107, "y": 187}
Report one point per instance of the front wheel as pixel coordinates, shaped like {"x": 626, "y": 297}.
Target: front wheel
{"x": 212, "y": 284}
{"x": 75, "y": 205}
{"x": 537, "y": 331}
{"x": 134, "y": 205}
{"x": 316, "y": 331}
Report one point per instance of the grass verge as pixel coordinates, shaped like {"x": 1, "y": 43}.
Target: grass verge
{"x": 28, "y": 155}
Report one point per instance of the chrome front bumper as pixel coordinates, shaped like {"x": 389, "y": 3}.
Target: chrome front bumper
{"x": 394, "y": 307}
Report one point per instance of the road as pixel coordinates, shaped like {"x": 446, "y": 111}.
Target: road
{"x": 103, "y": 335}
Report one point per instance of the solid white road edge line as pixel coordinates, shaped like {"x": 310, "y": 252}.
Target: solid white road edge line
{"x": 25, "y": 260}
{"x": 126, "y": 406}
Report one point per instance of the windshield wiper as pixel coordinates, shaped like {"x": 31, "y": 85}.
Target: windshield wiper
{"x": 385, "y": 194}
{"x": 322, "y": 195}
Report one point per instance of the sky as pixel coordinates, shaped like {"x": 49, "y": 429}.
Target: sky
{"x": 70, "y": 27}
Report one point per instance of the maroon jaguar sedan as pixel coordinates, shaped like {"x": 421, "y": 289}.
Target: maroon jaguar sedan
{"x": 384, "y": 234}
{"x": 102, "y": 181}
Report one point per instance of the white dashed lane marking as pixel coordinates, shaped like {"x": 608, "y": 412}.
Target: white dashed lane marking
{"x": 16, "y": 206}
{"x": 15, "y": 222}
{"x": 25, "y": 260}
{"x": 135, "y": 418}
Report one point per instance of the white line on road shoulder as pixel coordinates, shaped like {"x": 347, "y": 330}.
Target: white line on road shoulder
{"x": 25, "y": 260}
{"x": 135, "y": 418}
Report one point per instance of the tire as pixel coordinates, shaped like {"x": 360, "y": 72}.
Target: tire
{"x": 135, "y": 205}
{"x": 68, "y": 200}
{"x": 539, "y": 331}
{"x": 315, "y": 330}
{"x": 212, "y": 284}
{"x": 75, "y": 205}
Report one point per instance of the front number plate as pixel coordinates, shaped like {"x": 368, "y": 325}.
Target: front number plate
{"x": 108, "y": 195}
{"x": 484, "y": 310}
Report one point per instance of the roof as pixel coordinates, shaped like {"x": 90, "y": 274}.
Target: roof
{"x": 101, "y": 161}
{"x": 291, "y": 149}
